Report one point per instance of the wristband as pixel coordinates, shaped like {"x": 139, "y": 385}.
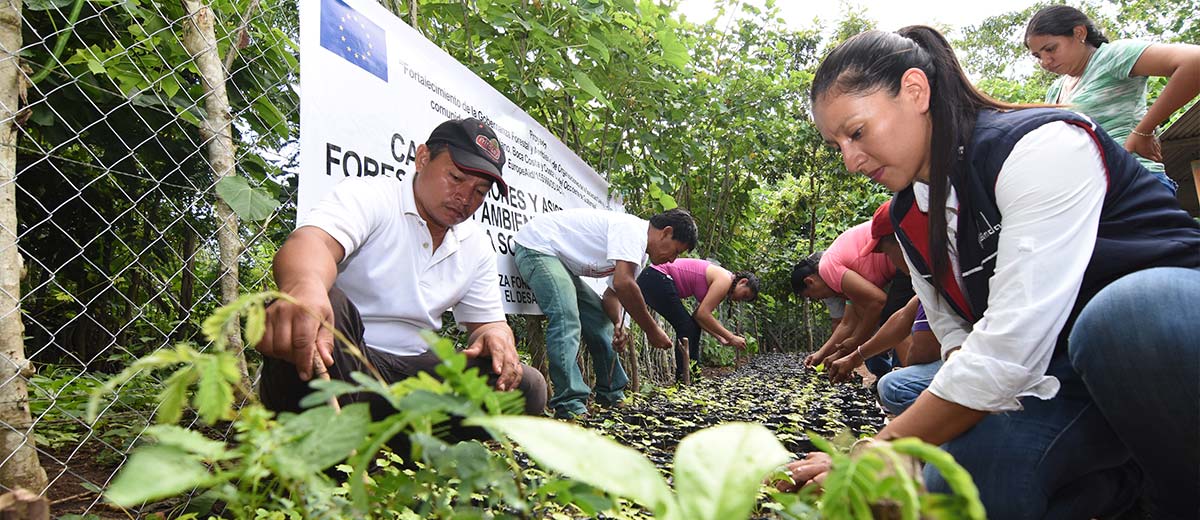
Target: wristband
{"x": 858, "y": 350}
{"x": 1143, "y": 134}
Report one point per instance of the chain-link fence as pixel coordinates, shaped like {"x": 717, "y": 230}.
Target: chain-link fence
{"x": 121, "y": 122}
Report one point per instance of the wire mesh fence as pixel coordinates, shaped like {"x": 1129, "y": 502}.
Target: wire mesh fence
{"x": 133, "y": 130}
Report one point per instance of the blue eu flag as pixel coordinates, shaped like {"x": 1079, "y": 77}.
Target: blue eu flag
{"x": 352, "y": 36}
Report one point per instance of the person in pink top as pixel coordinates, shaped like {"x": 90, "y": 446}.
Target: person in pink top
{"x": 852, "y": 270}
{"x": 664, "y": 286}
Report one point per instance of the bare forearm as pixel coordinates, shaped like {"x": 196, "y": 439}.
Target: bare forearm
{"x": 1181, "y": 88}
{"x": 630, "y": 297}
{"x": 712, "y": 326}
{"x": 304, "y": 259}
{"x": 866, "y": 324}
{"x": 933, "y": 420}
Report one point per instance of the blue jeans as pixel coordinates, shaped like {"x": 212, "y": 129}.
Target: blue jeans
{"x": 572, "y": 308}
{"x": 881, "y": 364}
{"x": 1128, "y": 411}
{"x": 1137, "y": 347}
{"x": 899, "y": 388}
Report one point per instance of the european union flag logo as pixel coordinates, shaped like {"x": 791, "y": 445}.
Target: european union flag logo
{"x": 353, "y": 37}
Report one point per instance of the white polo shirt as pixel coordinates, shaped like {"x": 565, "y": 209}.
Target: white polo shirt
{"x": 589, "y": 242}
{"x": 390, "y": 272}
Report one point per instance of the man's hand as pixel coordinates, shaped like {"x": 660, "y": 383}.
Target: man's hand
{"x": 659, "y": 339}
{"x": 1148, "y": 147}
{"x": 620, "y": 338}
{"x": 809, "y": 471}
{"x": 295, "y": 336}
{"x": 495, "y": 340}
{"x": 841, "y": 369}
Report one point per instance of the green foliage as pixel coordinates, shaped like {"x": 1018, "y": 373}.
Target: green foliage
{"x": 718, "y": 471}
{"x": 881, "y": 476}
{"x": 248, "y": 202}
{"x": 714, "y": 354}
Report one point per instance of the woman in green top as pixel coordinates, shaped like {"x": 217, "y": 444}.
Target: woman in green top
{"x": 1107, "y": 81}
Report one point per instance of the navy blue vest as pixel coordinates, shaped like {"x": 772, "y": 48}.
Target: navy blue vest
{"x": 1141, "y": 224}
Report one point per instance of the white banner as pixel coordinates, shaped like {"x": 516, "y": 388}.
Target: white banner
{"x": 372, "y": 89}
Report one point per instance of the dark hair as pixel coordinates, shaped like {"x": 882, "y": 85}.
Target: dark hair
{"x": 803, "y": 269}
{"x": 436, "y": 148}
{"x": 751, "y": 282}
{"x": 876, "y": 60}
{"x": 1061, "y": 20}
{"x": 683, "y": 226}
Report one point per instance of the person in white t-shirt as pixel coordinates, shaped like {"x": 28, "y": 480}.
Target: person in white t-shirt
{"x": 554, "y": 250}
{"x": 383, "y": 259}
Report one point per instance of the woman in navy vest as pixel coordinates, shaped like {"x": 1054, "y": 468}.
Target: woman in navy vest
{"x": 1061, "y": 279}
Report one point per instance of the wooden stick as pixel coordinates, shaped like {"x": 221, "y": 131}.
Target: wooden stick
{"x": 322, "y": 372}
{"x": 682, "y": 351}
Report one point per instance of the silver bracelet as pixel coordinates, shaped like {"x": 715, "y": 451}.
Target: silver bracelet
{"x": 1143, "y": 134}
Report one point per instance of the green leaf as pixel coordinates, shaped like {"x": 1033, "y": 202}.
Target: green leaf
{"x": 256, "y": 324}
{"x": 214, "y": 395}
{"x": 46, "y": 5}
{"x": 188, "y": 440}
{"x": 588, "y": 86}
{"x": 601, "y": 49}
{"x": 719, "y": 470}
{"x": 95, "y": 66}
{"x": 156, "y": 472}
{"x": 174, "y": 395}
{"x": 321, "y": 438}
{"x": 673, "y": 51}
{"x": 586, "y": 456}
{"x": 249, "y": 203}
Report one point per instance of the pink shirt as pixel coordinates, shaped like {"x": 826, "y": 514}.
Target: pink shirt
{"x": 842, "y": 256}
{"x": 688, "y": 275}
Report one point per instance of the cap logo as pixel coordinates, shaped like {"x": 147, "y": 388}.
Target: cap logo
{"x": 491, "y": 147}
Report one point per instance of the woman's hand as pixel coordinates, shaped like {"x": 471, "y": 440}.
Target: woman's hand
{"x": 810, "y": 470}
{"x": 1145, "y": 146}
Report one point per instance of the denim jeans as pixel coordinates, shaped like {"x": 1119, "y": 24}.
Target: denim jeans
{"x": 661, "y": 295}
{"x": 1137, "y": 348}
{"x": 1128, "y": 411}
{"x": 899, "y": 388}
{"x": 572, "y": 308}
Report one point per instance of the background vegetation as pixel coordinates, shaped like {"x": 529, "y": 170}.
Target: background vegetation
{"x": 116, "y": 192}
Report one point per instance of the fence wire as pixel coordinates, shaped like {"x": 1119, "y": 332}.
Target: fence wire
{"x": 117, "y": 208}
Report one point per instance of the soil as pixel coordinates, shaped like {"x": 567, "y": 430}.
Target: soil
{"x": 772, "y": 389}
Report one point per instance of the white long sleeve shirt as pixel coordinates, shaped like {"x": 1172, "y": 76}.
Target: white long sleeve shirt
{"x": 1049, "y": 192}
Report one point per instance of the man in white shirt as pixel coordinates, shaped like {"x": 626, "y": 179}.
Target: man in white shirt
{"x": 383, "y": 259}
{"x": 554, "y": 250}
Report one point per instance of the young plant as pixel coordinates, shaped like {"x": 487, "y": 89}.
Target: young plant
{"x": 881, "y": 480}
{"x": 717, "y": 471}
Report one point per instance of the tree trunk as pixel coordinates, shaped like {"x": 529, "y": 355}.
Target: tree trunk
{"x": 200, "y": 40}
{"x": 21, "y": 468}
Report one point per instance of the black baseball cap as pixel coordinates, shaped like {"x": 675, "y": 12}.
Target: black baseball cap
{"x": 473, "y": 148}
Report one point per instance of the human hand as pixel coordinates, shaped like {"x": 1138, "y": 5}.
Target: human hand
{"x": 809, "y": 471}
{"x": 841, "y": 369}
{"x": 737, "y": 342}
{"x": 295, "y": 335}
{"x": 1145, "y": 146}
{"x": 813, "y": 359}
{"x": 620, "y": 339}
{"x": 495, "y": 340}
{"x": 660, "y": 339}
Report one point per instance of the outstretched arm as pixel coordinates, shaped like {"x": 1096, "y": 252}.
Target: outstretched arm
{"x": 630, "y": 296}
{"x": 305, "y": 268}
